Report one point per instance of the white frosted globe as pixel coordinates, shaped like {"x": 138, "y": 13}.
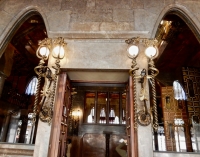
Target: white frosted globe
{"x": 44, "y": 51}
{"x": 58, "y": 52}
{"x": 133, "y": 51}
{"x": 151, "y": 52}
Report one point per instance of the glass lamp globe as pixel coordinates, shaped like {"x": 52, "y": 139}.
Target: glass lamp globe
{"x": 133, "y": 51}
{"x": 151, "y": 52}
{"x": 58, "y": 52}
{"x": 44, "y": 51}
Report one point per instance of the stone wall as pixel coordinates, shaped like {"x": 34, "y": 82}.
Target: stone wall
{"x": 89, "y": 19}
{"x": 172, "y": 154}
{"x": 95, "y": 31}
{"x": 16, "y": 150}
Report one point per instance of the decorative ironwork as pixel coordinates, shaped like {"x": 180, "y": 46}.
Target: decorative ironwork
{"x": 154, "y": 72}
{"x": 49, "y": 88}
{"x": 144, "y": 117}
{"x": 132, "y": 72}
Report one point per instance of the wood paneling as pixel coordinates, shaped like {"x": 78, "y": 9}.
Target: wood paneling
{"x": 57, "y": 145}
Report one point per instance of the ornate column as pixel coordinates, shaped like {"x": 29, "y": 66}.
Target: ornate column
{"x": 2, "y": 80}
{"x": 5, "y": 127}
{"x": 13, "y": 125}
{"x": 24, "y": 119}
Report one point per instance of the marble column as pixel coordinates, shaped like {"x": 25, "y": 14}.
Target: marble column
{"x": 145, "y": 136}
{"x": 24, "y": 119}
{"x": 42, "y": 139}
{"x": 2, "y": 80}
{"x": 12, "y": 130}
{"x": 5, "y": 128}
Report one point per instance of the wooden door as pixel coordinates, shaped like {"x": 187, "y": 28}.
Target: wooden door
{"x": 130, "y": 114}
{"x": 58, "y": 139}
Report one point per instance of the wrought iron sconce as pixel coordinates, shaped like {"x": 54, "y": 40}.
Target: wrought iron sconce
{"x": 56, "y": 48}
{"x": 143, "y": 117}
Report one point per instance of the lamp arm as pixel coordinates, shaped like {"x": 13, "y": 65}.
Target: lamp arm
{"x": 46, "y": 113}
{"x": 46, "y": 92}
{"x": 132, "y": 72}
{"x": 154, "y": 72}
{"x": 38, "y": 71}
{"x": 57, "y": 67}
{"x": 142, "y": 93}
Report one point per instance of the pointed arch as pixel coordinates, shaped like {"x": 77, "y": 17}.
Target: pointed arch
{"x": 31, "y": 86}
{"x": 188, "y": 17}
{"x": 16, "y": 22}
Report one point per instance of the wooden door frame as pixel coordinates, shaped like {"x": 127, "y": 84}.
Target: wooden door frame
{"x": 133, "y": 135}
{"x": 56, "y": 121}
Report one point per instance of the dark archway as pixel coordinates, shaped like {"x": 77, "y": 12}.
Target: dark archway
{"x": 178, "y": 60}
{"x": 17, "y": 67}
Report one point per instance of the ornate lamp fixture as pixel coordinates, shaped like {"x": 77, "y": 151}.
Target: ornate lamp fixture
{"x": 56, "y": 48}
{"x": 143, "y": 117}
{"x": 75, "y": 118}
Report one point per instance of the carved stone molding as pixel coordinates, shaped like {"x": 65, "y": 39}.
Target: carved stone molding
{"x": 16, "y": 152}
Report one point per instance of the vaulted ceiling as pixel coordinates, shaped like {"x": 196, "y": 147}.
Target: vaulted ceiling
{"x": 25, "y": 43}
{"x": 179, "y": 48}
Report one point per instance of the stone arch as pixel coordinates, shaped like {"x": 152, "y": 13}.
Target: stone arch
{"x": 15, "y": 24}
{"x": 186, "y": 15}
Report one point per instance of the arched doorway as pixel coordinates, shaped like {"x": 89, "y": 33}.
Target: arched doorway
{"x": 178, "y": 60}
{"x": 18, "y": 80}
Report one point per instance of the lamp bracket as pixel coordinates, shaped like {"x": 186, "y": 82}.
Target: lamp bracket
{"x": 144, "y": 119}
{"x": 48, "y": 91}
{"x": 143, "y": 116}
{"x": 147, "y": 41}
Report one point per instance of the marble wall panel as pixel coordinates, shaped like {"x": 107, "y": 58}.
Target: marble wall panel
{"x": 56, "y": 5}
{"x": 123, "y": 15}
{"x": 118, "y": 26}
{"x": 97, "y": 54}
{"x": 114, "y": 4}
{"x": 92, "y": 15}
{"x": 73, "y": 4}
{"x": 137, "y": 4}
{"x": 62, "y": 22}
{"x": 154, "y": 3}
{"x": 12, "y": 7}
{"x": 144, "y": 20}
{"x": 85, "y": 26}
{"x": 90, "y": 4}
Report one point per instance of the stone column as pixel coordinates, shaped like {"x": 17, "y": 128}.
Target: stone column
{"x": 11, "y": 135}
{"x": 5, "y": 128}
{"x": 24, "y": 119}
{"x": 2, "y": 80}
{"x": 145, "y": 139}
{"x": 42, "y": 139}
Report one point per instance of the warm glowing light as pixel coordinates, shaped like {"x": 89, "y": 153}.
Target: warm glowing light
{"x": 151, "y": 52}
{"x": 44, "y": 51}
{"x": 133, "y": 51}
{"x": 76, "y": 113}
{"x": 59, "y": 52}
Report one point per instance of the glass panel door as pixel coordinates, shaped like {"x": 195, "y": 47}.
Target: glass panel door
{"x": 102, "y": 99}
{"x": 89, "y": 108}
{"x": 114, "y": 108}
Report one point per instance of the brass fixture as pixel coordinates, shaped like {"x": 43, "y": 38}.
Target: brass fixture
{"x": 56, "y": 48}
{"x": 143, "y": 117}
